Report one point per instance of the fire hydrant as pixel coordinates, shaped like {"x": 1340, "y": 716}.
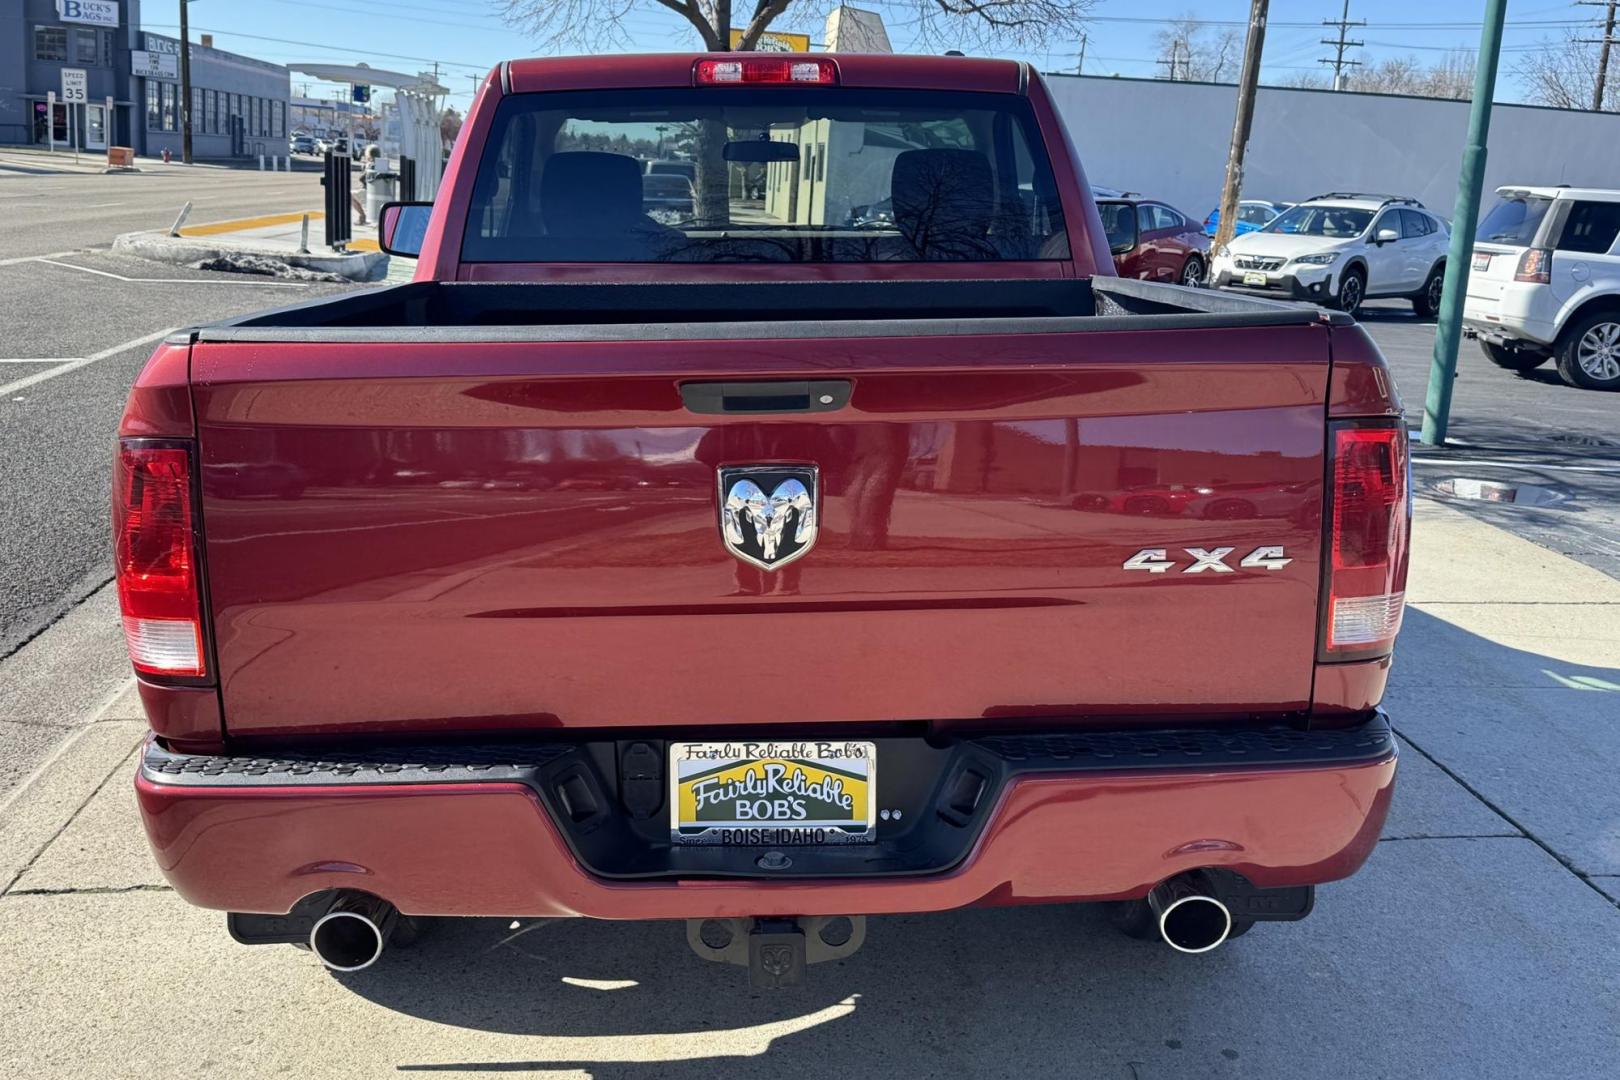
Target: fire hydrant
{"x": 165, "y": 155}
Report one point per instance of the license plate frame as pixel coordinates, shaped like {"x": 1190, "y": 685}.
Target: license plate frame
{"x": 1254, "y": 279}
{"x": 709, "y": 780}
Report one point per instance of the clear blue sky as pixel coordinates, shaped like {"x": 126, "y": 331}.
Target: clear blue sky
{"x": 467, "y": 36}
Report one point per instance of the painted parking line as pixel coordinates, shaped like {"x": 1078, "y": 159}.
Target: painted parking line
{"x": 35, "y": 258}
{"x": 11, "y": 388}
{"x": 175, "y": 280}
{"x": 1525, "y": 466}
{"x": 242, "y": 224}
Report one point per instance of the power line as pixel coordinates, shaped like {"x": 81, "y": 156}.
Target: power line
{"x": 1339, "y": 63}
{"x": 329, "y": 48}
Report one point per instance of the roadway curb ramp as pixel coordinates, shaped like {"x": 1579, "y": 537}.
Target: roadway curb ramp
{"x": 237, "y": 257}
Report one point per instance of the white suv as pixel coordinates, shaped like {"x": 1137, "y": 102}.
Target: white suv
{"x": 1342, "y": 249}
{"x": 1545, "y": 283}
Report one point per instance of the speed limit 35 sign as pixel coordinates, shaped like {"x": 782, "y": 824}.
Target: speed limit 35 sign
{"x": 75, "y": 86}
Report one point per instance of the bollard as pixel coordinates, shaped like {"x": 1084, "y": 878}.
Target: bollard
{"x": 303, "y": 237}
{"x": 185, "y": 212}
{"x": 261, "y": 163}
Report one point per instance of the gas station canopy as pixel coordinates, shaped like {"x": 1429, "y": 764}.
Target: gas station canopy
{"x": 369, "y": 76}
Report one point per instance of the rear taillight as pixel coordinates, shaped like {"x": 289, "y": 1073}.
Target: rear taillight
{"x": 769, "y": 71}
{"x": 1369, "y": 527}
{"x": 155, "y": 557}
{"x": 1535, "y": 265}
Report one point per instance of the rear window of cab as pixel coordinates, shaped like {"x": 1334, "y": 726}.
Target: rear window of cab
{"x": 777, "y": 174}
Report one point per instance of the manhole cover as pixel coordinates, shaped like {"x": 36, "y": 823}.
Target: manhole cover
{"x": 1463, "y": 487}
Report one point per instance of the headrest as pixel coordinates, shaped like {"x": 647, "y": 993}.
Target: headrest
{"x": 587, "y": 192}
{"x": 943, "y": 199}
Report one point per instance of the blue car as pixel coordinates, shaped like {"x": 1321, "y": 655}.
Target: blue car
{"x": 1253, "y": 214}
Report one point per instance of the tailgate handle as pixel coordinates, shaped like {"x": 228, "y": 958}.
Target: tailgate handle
{"x": 816, "y": 395}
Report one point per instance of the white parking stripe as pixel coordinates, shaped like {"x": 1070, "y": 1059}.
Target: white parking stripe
{"x": 173, "y": 280}
{"x": 74, "y": 365}
{"x": 31, "y": 258}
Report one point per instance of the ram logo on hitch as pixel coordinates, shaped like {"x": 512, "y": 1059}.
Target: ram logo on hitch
{"x": 1212, "y": 560}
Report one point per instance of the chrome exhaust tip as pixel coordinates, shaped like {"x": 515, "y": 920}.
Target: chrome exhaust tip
{"x": 352, "y": 934}
{"x": 1190, "y": 918}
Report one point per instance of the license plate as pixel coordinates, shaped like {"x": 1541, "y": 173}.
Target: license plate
{"x": 1482, "y": 260}
{"x": 1255, "y": 279}
{"x": 773, "y": 794}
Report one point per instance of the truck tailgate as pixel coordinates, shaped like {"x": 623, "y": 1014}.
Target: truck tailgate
{"x": 520, "y": 535}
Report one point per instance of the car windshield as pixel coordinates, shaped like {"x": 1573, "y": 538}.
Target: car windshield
{"x": 1337, "y": 221}
{"x": 1513, "y": 220}
{"x": 779, "y": 174}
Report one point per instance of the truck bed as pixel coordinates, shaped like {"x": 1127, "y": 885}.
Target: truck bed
{"x": 619, "y": 311}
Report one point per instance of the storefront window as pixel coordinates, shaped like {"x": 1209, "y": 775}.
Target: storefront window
{"x": 211, "y": 103}
{"x": 50, "y": 43}
{"x": 279, "y": 108}
{"x": 171, "y": 95}
{"x": 197, "y": 110}
{"x": 86, "y": 47}
{"x": 154, "y": 107}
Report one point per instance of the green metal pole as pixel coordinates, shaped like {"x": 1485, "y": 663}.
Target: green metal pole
{"x": 1448, "y": 332}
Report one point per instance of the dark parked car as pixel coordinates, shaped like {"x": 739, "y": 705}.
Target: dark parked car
{"x": 1152, "y": 241}
{"x": 666, "y": 197}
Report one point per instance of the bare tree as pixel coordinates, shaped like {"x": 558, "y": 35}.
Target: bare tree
{"x": 1563, "y": 74}
{"x": 1194, "y": 52}
{"x": 1305, "y": 80}
{"x": 449, "y": 126}
{"x": 596, "y": 25}
{"x": 1452, "y": 77}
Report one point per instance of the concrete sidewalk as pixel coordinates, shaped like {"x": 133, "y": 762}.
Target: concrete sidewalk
{"x": 286, "y": 243}
{"x": 1482, "y": 939}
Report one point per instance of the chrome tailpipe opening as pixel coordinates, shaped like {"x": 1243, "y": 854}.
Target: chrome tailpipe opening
{"x": 1190, "y": 917}
{"x": 353, "y": 933}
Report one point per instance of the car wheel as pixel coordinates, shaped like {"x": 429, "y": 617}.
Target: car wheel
{"x": 1193, "y": 272}
{"x": 1589, "y": 352}
{"x": 1351, "y": 291}
{"x": 1427, "y": 302}
{"x": 1513, "y": 359}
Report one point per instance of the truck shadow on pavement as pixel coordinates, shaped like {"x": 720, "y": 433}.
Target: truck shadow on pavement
{"x": 1399, "y": 971}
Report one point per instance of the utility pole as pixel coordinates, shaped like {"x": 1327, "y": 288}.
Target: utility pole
{"x": 185, "y": 83}
{"x": 1608, "y": 39}
{"x": 1341, "y": 43}
{"x": 1175, "y": 57}
{"x": 1465, "y": 215}
{"x": 1248, "y": 82}
{"x": 1080, "y": 68}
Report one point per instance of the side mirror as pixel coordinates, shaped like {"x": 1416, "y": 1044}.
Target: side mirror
{"x": 1123, "y": 247}
{"x": 1386, "y": 235}
{"x": 402, "y": 227}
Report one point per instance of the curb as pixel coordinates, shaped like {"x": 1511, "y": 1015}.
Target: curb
{"x": 187, "y": 251}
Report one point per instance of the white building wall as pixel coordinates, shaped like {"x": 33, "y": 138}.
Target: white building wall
{"x": 1169, "y": 140}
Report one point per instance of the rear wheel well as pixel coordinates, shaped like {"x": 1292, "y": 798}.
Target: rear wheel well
{"x": 1608, "y": 302}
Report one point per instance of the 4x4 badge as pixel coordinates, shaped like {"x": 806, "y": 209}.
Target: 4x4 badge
{"x": 768, "y": 513}
{"x": 1157, "y": 560}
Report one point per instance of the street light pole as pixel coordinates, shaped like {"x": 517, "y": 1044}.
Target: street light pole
{"x": 1448, "y": 331}
{"x": 1248, "y": 82}
{"x": 185, "y": 84}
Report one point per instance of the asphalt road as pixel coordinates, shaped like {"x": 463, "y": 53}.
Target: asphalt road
{"x": 1533, "y": 433}
{"x": 65, "y": 297}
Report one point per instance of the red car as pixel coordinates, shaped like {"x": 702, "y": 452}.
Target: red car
{"x": 872, "y": 623}
{"x": 1154, "y": 242}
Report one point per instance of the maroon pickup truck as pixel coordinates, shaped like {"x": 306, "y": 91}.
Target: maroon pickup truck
{"x": 847, "y": 541}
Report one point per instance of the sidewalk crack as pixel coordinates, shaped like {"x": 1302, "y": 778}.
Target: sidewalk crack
{"x": 57, "y": 835}
{"x": 1505, "y": 816}
{"x": 94, "y": 890}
